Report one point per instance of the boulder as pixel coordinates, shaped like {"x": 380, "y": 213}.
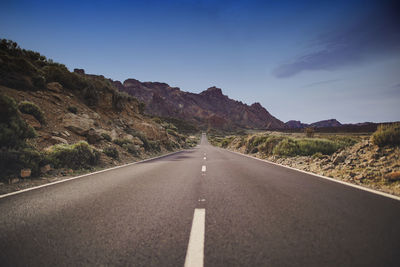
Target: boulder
{"x": 93, "y": 136}
{"x": 114, "y": 134}
{"x": 14, "y": 180}
{"x": 339, "y": 159}
{"x": 65, "y": 133}
{"x": 25, "y": 173}
{"x": 77, "y": 124}
{"x": 57, "y": 140}
{"x": 45, "y": 169}
{"x": 55, "y": 87}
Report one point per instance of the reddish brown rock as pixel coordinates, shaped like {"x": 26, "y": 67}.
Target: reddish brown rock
{"x": 25, "y": 173}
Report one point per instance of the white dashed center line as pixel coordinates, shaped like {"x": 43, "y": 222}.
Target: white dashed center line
{"x": 195, "y": 251}
{"x": 203, "y": 168}
{"x": 204, "y": 158}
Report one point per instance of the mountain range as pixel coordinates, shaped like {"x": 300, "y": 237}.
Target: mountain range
{"x": 208, "y": 109}
{"x": 292, "y": 124}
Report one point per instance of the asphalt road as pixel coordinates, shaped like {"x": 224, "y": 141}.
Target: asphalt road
{"x": 256, "y": 214}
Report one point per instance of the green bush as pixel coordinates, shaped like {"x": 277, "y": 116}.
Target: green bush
{"x": 225, "y": 143}
{"x": 269, "y": 144}
{"x": 309, "y": 132}
{"x": 308, "y": 147}
{"x": 132, "y": 149}
{"x": 168, "y": 144}
{"x": 119, "y": 99}
{"x": 178, "y": 125}
{"x": 111, "y": 152}
{"x": 387, "y": 135}
{"x": 253, "y": 142}
{"x": 39, "y": 82}
{"x": 76, "y": 156}
{"x": 139, "y": 135}
{"x": 122, "y": 141}
{"x": 59, "y": 73}
{"x": 12, "y": 161}
{"x": 156, "y": 145}
{"x": 106, "y": 137}
{"x": 287, "y": 148}
{"x": 72, "y": 109}
{"x": 32, "y": 109}
{"x": 13, "y": 129}
{"x": 91, "y": 96}
{"x": 290, "y": 147}
{"x": 343, "y": 140}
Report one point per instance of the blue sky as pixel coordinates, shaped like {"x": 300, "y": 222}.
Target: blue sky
{"x": 303, "y": 60}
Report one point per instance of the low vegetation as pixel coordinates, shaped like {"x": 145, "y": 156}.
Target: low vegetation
{"x": 111, "y": 152}
{"x": 122, "y": 141}
{"x": 76, "y": 156}
{"x": 284, "y": 146}
{"x": 290, "y": 147}
{"x": 32, "y": 109}
{"x": 13, "y": 129}
{"x": 101, "y": 110}
{"x": 106, "y": 137}
{"x": 387, "y": 135}
{"x": 310, "y": 131}
{"x": 364, "y": 159}
{"x": 132, "y": 149}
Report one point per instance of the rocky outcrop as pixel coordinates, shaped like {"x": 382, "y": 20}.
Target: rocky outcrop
{"x": 77, "y": 124}
{"x": 54, "y": 87}
{"x": 210, "y": 108}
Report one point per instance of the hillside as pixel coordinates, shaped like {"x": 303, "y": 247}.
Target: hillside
{"x": 209, "y": 109}
{"x": 55, "y": 122}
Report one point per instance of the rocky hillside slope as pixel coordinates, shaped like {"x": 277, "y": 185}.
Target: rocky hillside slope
{"x": 54, "y": 122}
{"x": 209, "y": 109}
{"x": 354, "y": 159}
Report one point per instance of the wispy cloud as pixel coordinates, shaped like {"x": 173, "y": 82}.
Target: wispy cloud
{"x": 322, "y": 82}
{"x": 396, "y": 86}
{"x": 374, "y": 37}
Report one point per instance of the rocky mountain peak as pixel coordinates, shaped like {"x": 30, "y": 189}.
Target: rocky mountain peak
{"x": 131, "y": 83}
{"x": 256, "y": 105}
{"x": 212, "y": 91}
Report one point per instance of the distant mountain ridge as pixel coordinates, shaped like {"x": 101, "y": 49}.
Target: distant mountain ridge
{"x": 210, "y": 108}
{"x": 292, "y": 124}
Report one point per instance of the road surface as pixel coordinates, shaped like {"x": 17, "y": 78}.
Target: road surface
{"x": 206, "y": 207}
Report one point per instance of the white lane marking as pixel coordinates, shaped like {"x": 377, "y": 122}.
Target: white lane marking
{"x": 84, "y": 175}
{"x": 203, "y": 168}
{"x": 195, "y": 251}
{"x": 204, "y": 158}
{"x": 321, "y": 176}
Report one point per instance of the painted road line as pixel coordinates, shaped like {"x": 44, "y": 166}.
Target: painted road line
{"x": 203, "y": 168}
{"x": 86, "y": 175}
{"x": 195, "y": 251}
{"x": 204, "y": 158}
